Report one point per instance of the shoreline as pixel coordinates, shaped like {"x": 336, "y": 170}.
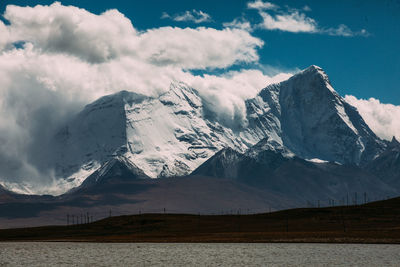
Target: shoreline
{"x": 294, "y": 241}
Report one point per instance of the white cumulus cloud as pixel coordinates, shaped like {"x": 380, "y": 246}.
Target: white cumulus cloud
{"x": 72, "y": 30}
{"x": 291, "y": 22}
{"x": 198, "y": 48}
{"x": 224, "y": 95}
{"x": 383, "y": 119}
{"x": 261, "y": 5}
{"x": 110, "y": 35}
{"x": 4, "y": 34}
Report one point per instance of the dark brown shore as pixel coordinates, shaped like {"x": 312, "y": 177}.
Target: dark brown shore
{"x": 377, "y": 222}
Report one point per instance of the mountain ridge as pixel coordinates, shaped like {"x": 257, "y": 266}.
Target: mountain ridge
{"x": 170, "y": 135}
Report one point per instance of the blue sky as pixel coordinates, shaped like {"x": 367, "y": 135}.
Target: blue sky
{"x": 361, "y": 65}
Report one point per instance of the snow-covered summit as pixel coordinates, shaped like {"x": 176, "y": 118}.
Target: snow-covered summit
{"x": 317, "y": 71}
{"x": 165, "y": 136}
{"x": 308, "y": 117}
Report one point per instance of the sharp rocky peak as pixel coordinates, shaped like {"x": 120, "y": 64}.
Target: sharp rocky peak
{"x": 308, "y": 117}
{"x": 178, "y": 92}
{"x": 121, "y": 162}
{"x": 315, "y": 76}
{"x": 117, "y": 168}
{"x": 394, "y": 144}
{"x": 313, "y": 69}
{"x": 269, "y": 144}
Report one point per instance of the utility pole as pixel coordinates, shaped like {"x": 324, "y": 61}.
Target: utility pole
{"x": 287, "y": 223}
{"x": 343, "y": 222}
{"x": 67, "y": 219}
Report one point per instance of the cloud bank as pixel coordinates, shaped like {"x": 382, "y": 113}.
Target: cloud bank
{"x": 383, "y": 119}
{"x": 55, "y": 59}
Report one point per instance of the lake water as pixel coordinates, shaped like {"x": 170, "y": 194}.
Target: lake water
{"x": 145, "y": 254}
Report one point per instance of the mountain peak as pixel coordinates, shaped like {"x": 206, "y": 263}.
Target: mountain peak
{"x": 314, "y": 68}
{"x": 394, "y": 143}
{"x": 117, "y": 168}
{"x": 125, "y": 96}
{"x": 115, "y": 100}
{"x": 269, "y": 144}
{"x": 308, "y": 117}
{"x": 222, "y": 165}
{"x": 316, "y": 73}
{"x": 180, "y": 91}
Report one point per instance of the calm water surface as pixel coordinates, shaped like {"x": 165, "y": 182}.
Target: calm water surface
{"x": 138, "y": 254}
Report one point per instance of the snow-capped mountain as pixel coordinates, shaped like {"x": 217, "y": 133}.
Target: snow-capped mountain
{"x": 169, "y": 135}
{"x": 305, "y": 115}
{"x": 164, "y": 136}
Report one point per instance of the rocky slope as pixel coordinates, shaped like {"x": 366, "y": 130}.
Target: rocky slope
{"x": 387, "y": 164}
{"x": 296, "y": 178}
